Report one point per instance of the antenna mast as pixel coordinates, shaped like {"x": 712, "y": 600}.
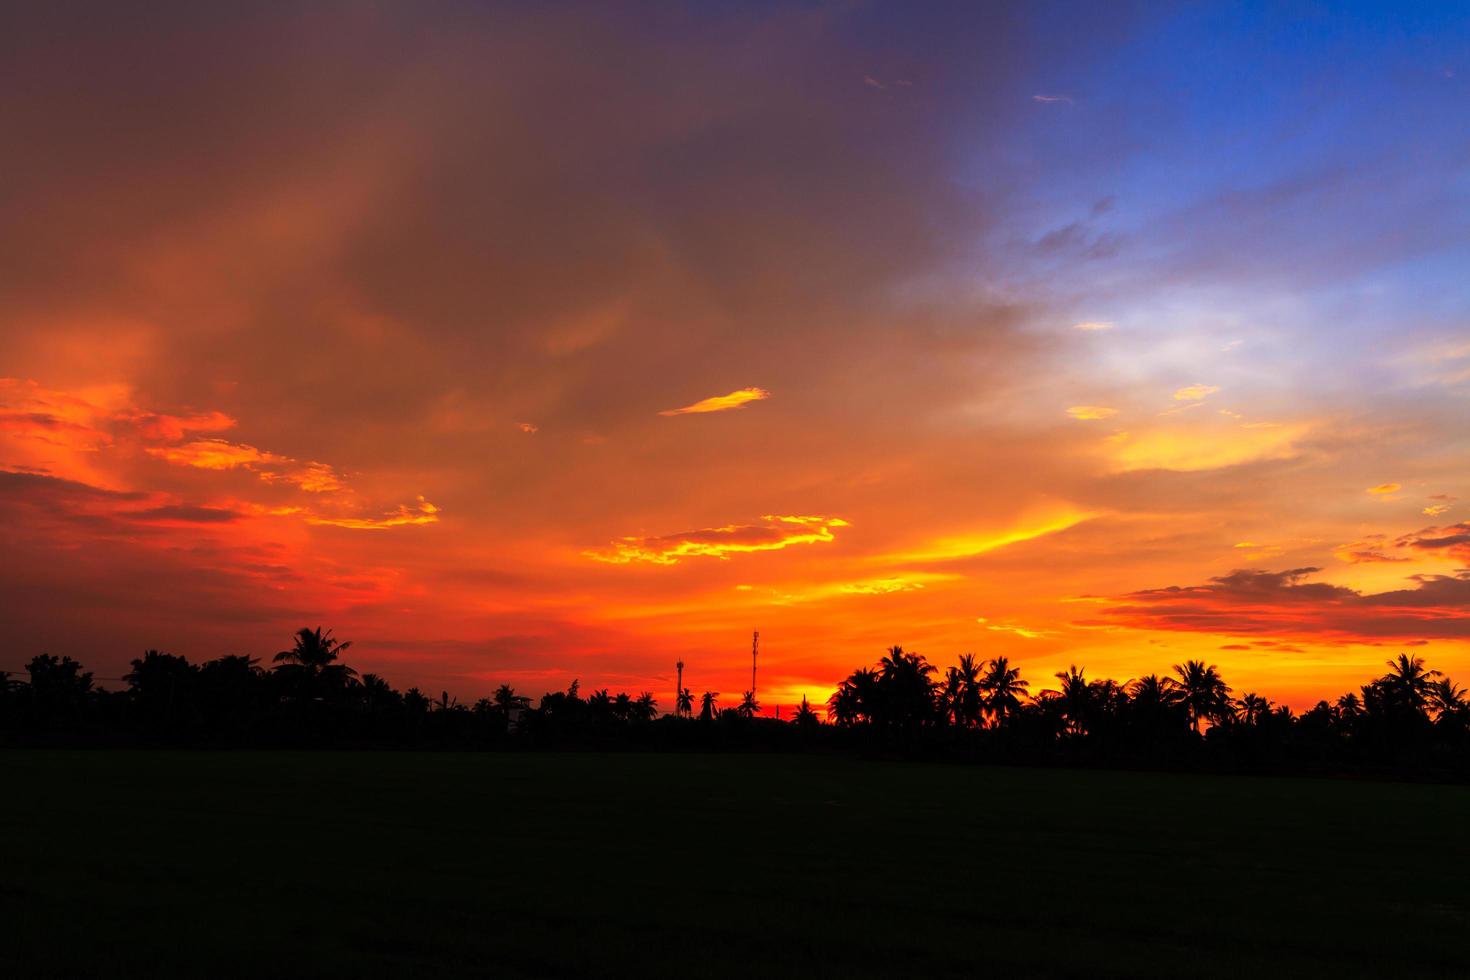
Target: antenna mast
{"x": 755, "y": 645}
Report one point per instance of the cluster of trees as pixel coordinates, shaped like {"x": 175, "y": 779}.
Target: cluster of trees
{"x": 310, "y": 696}
{"x": 1412, "y": 717}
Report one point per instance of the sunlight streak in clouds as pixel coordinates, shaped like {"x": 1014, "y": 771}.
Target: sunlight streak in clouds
{"x": 970, "y": 545}
{"x": 721, "y": 403}
{"x": 720, "y": 542}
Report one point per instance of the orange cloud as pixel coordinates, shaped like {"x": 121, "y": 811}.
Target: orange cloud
{"x": 1383, "y": 489}
{"x": 1367, "y": 551}
{"x": 1452, "y": 540}
{"x": 721, "y": 403}
{"x": 313, "y": 478}
{"x": 1283, "y": 604}
{"x": 720, "y": 542}
{"x": 171, "y": 428}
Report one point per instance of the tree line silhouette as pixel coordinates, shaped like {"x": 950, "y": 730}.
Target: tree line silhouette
{"x": 1411, "y": 719}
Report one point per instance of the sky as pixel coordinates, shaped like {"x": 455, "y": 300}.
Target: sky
{"x": 531, "y": 343}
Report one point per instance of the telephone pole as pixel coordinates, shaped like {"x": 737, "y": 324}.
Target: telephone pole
{"x": 679, "y": 690}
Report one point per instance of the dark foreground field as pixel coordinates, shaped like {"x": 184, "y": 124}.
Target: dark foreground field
{"x": 207, "y": 864}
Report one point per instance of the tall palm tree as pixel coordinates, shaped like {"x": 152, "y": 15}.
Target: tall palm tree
{"x": 1205, "y": 695}
{"x": 805, "y": 716}
{"x": 311, "y": 664}
{"x": 507, "y": 701}
{"x": 906, "y": 689}
{"x": 949, "y": 697}
{"x": 1153, "y": 693}
{"x": 867, "y": 695}
{"x": 1449, "y": 702}
{"x": 1002, "y": 689}
{"x": 622, "y": 706}
{"x": 1408, "y": 681}
{"x": 645, "y": 708}
{"x": 1253, "y": 708}
{"x": 972, "y": 701}
{"x": 1076, "y": 698}
{"x": 375, "y": 691}
{"x": 749, "y": 706}
{"x": 684, "y": 703}
{"x": 843, "y": 707}
{"x": 709, "y": 703}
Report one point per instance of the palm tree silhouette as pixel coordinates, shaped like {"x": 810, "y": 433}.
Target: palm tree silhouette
{"x": 1002, "y": 689}
{"x": 1076, "y": 698}
{"x": 805, "y": 716}
{"x": 1253, "y": 708}
{"x": 843, "y": 707}
{"x": 622, "y": 706}
{"x": 1408, "y": 681}
{"x": 506, "y": 701}
{"x": 684, "y": 703}
{"x": 905, "y": 688}
{"x": 1205, "y": 694}
{"x": 1449, "y": 702}
{"x": 644, "y": 708}
{"x": 949, "y": 697}
{"x": 749, "y": 706}
{"x": 374, "y": 691}
{"x": 709, "y": 703}
{"x": 311, "y": 664}
{"x": 971, "y": 694}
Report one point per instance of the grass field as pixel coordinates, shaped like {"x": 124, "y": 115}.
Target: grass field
{"x": 209, "y": 864}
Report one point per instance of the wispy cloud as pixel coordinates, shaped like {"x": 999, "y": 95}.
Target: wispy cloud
{"x": 422, "y": 512}
{"x": 530, "y": 428}
{"x": 1444, "y": 503}
{"x": 720, "y": 542}
{"x": 1093, "y": 326}
{"x": 1384, "y": 489}
{"x": 721, "y": 403}
{"x": 1025, "y": 633}
{"x": 1195, "y": 393}
{"x": 1039, "y": 97}
{"x": 1090, "y": 413}
{"x": 215, "y": 454}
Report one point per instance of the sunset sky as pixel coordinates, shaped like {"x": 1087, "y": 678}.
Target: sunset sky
{"x": 534, "y": 342}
